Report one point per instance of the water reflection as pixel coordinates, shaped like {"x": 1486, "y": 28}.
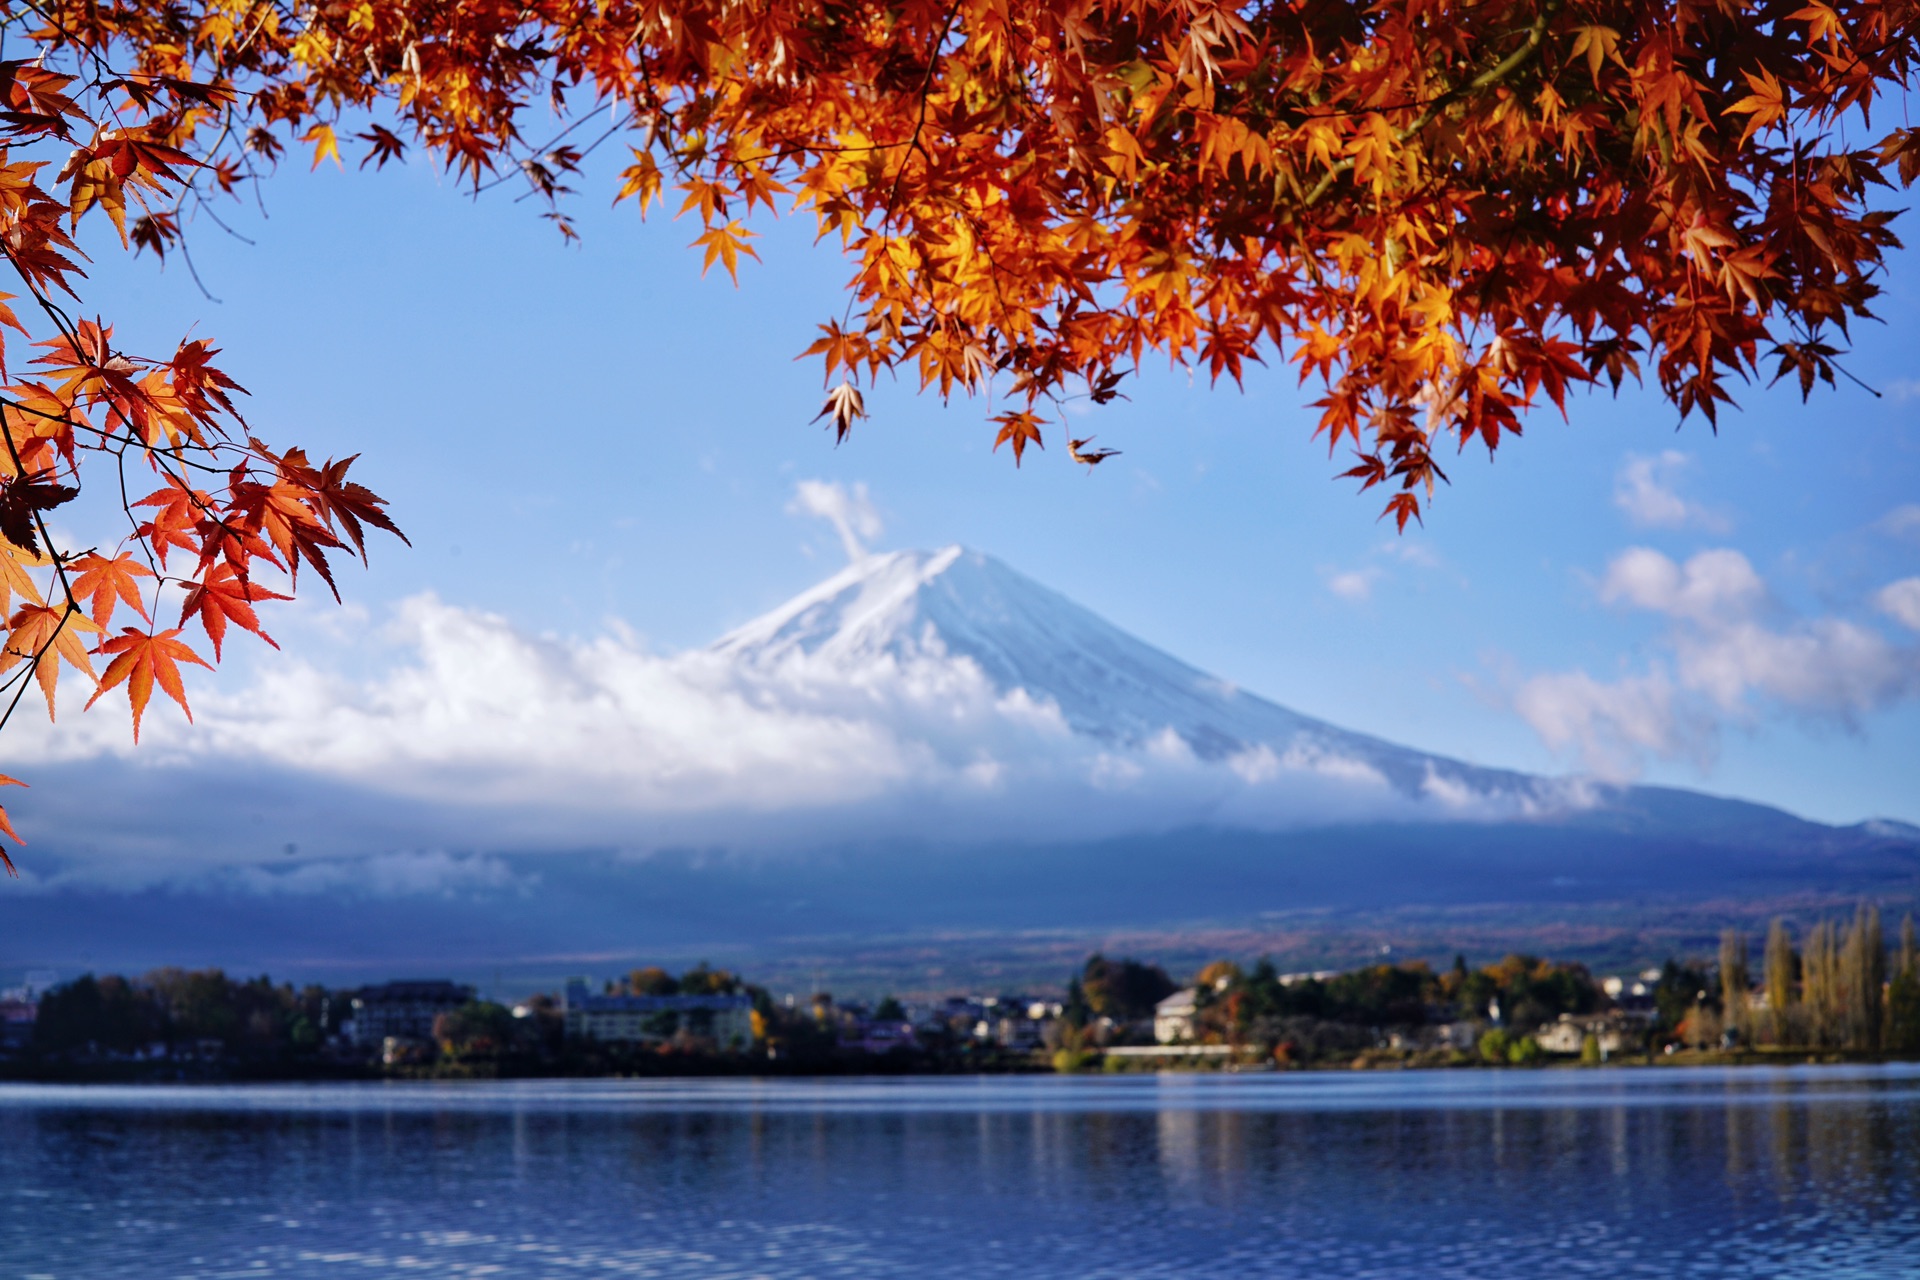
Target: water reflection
{"x": 1471, "y": 1174}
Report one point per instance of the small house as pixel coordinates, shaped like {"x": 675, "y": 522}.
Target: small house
{"x": 1176, "y": 1018}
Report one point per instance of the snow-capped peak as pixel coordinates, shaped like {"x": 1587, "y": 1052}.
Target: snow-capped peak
{"x": 967, "y": 607}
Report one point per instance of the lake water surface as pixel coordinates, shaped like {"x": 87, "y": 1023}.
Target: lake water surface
{"x": 1751, "y": 1172}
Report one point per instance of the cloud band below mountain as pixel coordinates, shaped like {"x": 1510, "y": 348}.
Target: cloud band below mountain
{"x": 474, "y": 735}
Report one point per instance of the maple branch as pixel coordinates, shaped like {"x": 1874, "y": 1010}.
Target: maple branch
{"x": 60, "y": 573}
{"x": 920, "y": 121}
{"x": 1487, "y": 79}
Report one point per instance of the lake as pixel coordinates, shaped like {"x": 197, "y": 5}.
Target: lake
{"x": 1750, "y": 1172}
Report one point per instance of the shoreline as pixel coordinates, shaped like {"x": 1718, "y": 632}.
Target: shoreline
{"x": 136, "y": 1074}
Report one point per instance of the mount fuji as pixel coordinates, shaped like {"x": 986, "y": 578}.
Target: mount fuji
{"x": 961, "y": 606}
{"x": 927, "y": 745}
{"x": 894, "y": 611}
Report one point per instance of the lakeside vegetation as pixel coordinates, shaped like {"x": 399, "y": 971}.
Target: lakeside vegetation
{"x": 1836, "y": 993}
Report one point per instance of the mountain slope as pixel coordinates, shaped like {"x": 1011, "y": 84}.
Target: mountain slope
{"x": 1108, "y": 685}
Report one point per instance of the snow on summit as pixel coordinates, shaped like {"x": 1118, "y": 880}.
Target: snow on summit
{"x": 962, "y": 606}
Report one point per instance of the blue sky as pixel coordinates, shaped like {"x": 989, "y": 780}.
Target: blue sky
{"x": 591, "y": 439}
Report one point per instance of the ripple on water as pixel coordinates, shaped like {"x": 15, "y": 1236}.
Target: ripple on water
{"x": 1802, "y": 1172}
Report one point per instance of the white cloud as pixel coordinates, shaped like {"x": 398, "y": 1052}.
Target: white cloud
{"x": 1644, "y": 490}
{"x": 1903, "y": 519}
{"x": 1609, "y": 726}
{"x": 847, "y": 509}
{"x": 1823, "y": 667}
{"x": 1412, "y": 551}
{"x": 408, "y": 874}
{"x": 1727, "y": 657}
{"x": 1713, "y": 586}
{"x": 1354, "y": 585}
{"x": 469, "y": 733}
{"x": 1901, "y": 601}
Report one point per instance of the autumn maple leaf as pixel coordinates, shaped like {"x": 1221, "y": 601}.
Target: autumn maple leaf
{"x": 22, "y": 500}
{"x": 14, "y": 562}
{"x": 107, "y": 582}
{"x": 337, "y": 498}
{"x": 180, "y": 511}
{"x": 1089, "y": 458}
{"x": 1018, "y": 429}
{"x": 225, "y": 597}
{"x": 1766, "y": 105}
{"x": 6, "y": 824}
{"x": 43, "y": 635}
{"x": 844, "y": 402}
{"x": 386, "y": 146}
{"x": 725, "y": 244}
{"x": 325, "y": 145}
{"x": 142, "y": 659}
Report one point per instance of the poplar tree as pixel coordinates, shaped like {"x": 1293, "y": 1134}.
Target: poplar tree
{"x": 1819, "y": 985}
{"x": 1863, "y": 976}
{"x": 1734, "y": 979}
{"x": 1903, "y": 995}
{"x": 1780, "y": 989}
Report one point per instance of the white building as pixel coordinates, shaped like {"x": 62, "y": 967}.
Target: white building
{"x": 1613, "y": 1031}
{"x": 650, "y": 1019}
{"x": 404, "y": 1010}
{"x": 1564, "y": 1036}
{"x": 1174, "y": 1018}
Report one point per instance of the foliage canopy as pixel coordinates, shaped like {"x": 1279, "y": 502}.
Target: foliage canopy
{"x": 1443, "y": 211}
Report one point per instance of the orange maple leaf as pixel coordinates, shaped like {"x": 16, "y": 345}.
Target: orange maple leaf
{"x": 1766, "y": 105}
{"x": 225, "y": 597}
{"x": 1017, "y": 429}
{"x": 140, "y": 660}
{"x": 42, "y": 635}
{"x": 325, "y": 145}
{"x": 180, "y": 511}
{"x": 6, "y": 824}
{"x": 107, "y": 582}
{"x": 725, "y": 244}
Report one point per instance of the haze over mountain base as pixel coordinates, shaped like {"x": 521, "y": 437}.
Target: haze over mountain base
{"x": 914, "y": 917}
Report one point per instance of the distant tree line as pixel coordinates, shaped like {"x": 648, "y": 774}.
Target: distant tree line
{"x": 1311, "y": 1018}
{"x": 1835, "y": 988}
{"x": 185, "y": 1011}
{"x": 1839, "y": 989}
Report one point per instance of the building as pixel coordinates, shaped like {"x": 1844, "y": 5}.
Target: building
{"x": 16, "y": 1023}
{"x": 404, "y": 1010}
{"x": 1617, "y": 1031}
{"x": 1174, "y": 1018}
{"x": 879, "y": 1037}
{"x": 1010, "y": 1030}
{"x": 1564, "y": 1036}
{"x": 650, "y": 1019}
{"x": 1434, "y": 1035}
{"x": 1313, "y": 975}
